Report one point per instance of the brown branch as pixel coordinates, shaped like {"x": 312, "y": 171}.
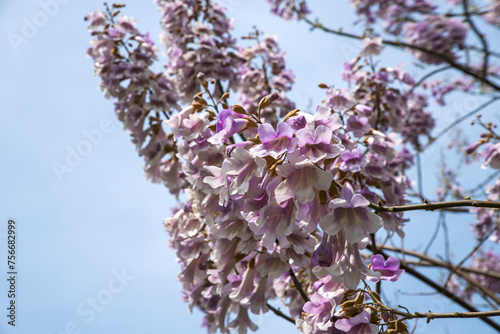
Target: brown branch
{"x": 397, "y": 44}
{"x": 425, "y": 263}
{"x": 432, "y": 315}
{"x": 453, "y": 124}
{"x": 280, "y": 314}
{"x": 485, "y": 292}
{"x": 480, "y": 35}
{"x": 298, "y": 286}
{"x": 444, "y": 292}
{"x": 431, "y": 206}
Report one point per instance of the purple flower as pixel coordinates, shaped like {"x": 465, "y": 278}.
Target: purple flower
{"x": 243, "y": 167}
{"x": 492, "y": 156}
{"x": 339, "y": 99}
{"x": 352, "y": 160}
{"x": 441, "y": 34}
{"x": 317, "y": 144}
{"x": 389, "y": 269}
{"x": 323, "y": 255}
{"x": 324, "y": 116}
{"x": 359, "y": 324}
{"x": 274, "y": 143}
{"x": 358, "y": 126}
{"x": 227, "y": 125}
{"x": 300, "y": 182}
{"x": 372, "y": 47}
{"x": 352, "y": 215}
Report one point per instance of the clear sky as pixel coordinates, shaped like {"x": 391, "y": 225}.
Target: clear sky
{"x": 95, "y": 233}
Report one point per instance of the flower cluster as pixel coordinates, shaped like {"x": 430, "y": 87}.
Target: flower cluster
{"x": 488, "y": 262}
{"x": 197, "y": 37}
{"x": 386, "y": 106}
{"x": 279, "y": 204}
{"x": 263, "y": 72}
{"x": 333, "y": 309}
{"x": 492, "y": 15}
{"x": 141, "y": 95}
{"x": 288, "y": 9}
{"x": 267, "y": 208}
{"x": 263, "y": 207}
{"x": 437, "y": 34}
{"x": 394, "y": 14}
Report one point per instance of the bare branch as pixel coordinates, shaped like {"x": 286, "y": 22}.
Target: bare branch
{"x": 280, "y": 314}
{"x": 431, "y": 206}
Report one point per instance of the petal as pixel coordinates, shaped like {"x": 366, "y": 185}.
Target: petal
{"x": 353, "y": 233}
{"x": 305, "y": 136}
{"x": 359, "y": 200}
{"x": 351, "y": 279}
{"x": 284, "y": 130}
{"x": 338, "y": 203}
{"x": 218, "y": 138}
{"x": 397, "y": 275}
{"x": 304, "y": 194}
{"x": 347, "y": 192}
{"x": 373, "y": 222}
{"x": 343, "y": 325}
{"x": 377, "y": 262}
{"x": 373, "y": 279}
{"x": 328, "y": 225}
{"x": 283, "y": 192}
{"x": 392, "y": 264}
{"x": 323, "y": 179}
{"x": 362, "y": 318}
{"x": 259, "y": 151}
{"x": 285, "y": 169}
{"x": 266, "y": 132}
{"x": 323, "y": 134}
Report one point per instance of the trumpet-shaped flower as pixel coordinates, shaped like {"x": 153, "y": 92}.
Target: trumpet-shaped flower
{"x": 352, "y": 215}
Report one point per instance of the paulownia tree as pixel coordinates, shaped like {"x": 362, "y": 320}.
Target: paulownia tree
{"x": 301, "y": 207}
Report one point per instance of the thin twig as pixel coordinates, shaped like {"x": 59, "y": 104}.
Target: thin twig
{"x": 485, "y": 292}
{"x": 480, "y": 35}
{"x": 428, "y": 75}
{"x": 280, "y": 314}
{"x": 447, "y": 294}
{"x": 298, "y": 286}
{"x": 453, "y": 124}
{"x": 431, "y": 206}
{"x": 398, "y": 44}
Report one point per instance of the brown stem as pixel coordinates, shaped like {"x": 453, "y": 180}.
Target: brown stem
{"x": 280, "y": 314}
{"x": 431, "y": 206}
{"x": 298, "y": 286}
{"x": 480, "y": 35}
{"x": 445, "y": 293}
{"x": 485, "y": 292}
{"x": 463, "y": 68}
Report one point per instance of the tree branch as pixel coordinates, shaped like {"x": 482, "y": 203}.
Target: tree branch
{"x": 444, "y": 292}
{"x": 280, "y": 314}
{"x": 431, "y": 206}
{"x": 480, "y": 35}
{"x": 463, "y": 68}
{"x": 298, "y": 286}
{"x": 485, "y": 292}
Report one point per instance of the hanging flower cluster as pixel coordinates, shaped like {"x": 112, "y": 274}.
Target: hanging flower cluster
{"x": 278, "y": 203}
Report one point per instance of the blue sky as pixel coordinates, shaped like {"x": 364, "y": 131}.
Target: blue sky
{"x": 95, "y": 233}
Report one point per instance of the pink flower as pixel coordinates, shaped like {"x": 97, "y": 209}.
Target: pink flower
{"x": 389, "y": 269}
{"x": 492, "y": 157}
{"x": 300, "y": 182}
{"x": 352, "y": 215}
{"x": 274, "y": 143}
{"x": 317, "y": 144}
{"x": 227, "y": 125}
{"x": 359, "y": 324}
